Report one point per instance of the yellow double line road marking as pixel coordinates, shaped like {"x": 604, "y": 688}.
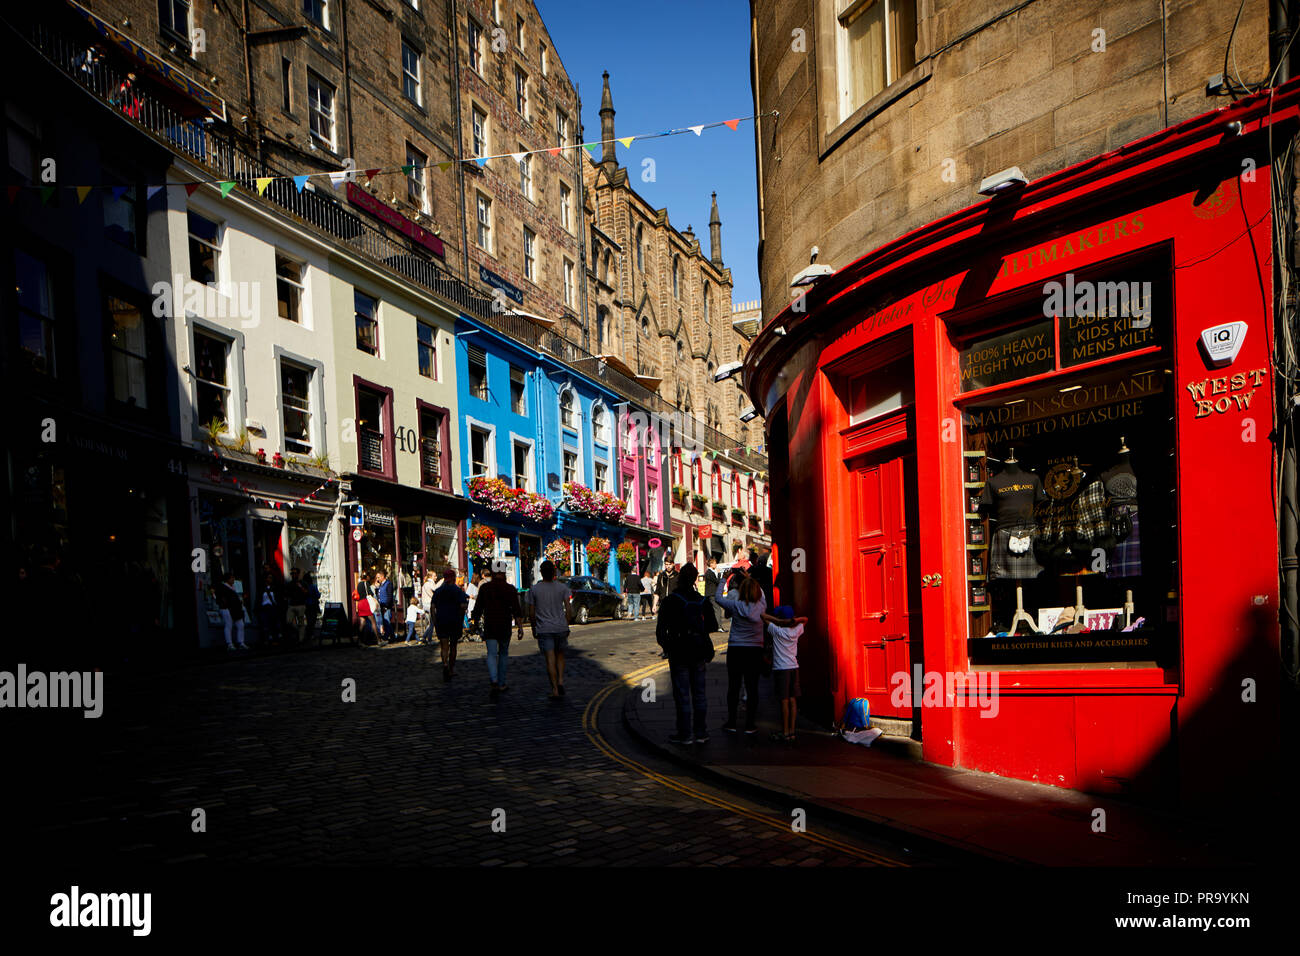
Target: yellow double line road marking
{"x": 594, "y": 735}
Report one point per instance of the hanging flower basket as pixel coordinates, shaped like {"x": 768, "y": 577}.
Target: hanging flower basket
{"x": 557, "y": 552}
{"x": 625, "y": 554}
{"x": 481, "y": 543}
{"x": 495, "y": 494}
{"x": 598, "y": 554}
{"x": 601, "y": 505}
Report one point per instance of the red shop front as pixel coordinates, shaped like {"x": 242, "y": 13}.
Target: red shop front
{"x": 1029, "y": 459}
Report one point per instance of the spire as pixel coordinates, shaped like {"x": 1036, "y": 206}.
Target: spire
{"x": 715, "y": 234}
{"x": 607, "y": 127}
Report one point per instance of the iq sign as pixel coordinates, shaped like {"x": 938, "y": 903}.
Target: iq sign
{"x": 1221, "y": 344}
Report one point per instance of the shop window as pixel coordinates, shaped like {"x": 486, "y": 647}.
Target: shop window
{"x": 426, "y": 340}
{"x": 288, "y": 288}
{"x": 478, "y": 381}
{"x": 1068, "y": 478}
{"x": 212, "y": 377}
{"x": 295, "y": 404}
{"x": 205, "y": 248}
{"x": 35, "y": 312}
{"x": 128, "y": 353}
{"x": 367, "y": 322}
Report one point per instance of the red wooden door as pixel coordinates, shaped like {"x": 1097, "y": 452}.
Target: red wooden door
{"x": 885, "y": 623}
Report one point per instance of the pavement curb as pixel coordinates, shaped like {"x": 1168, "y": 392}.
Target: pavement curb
{"x": 883, "y": 827}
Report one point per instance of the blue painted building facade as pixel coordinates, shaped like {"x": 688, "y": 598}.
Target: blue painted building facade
{"x": 536, "y": 424}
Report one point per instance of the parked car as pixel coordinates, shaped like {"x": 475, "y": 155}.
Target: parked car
{"x": 592, "y": 597}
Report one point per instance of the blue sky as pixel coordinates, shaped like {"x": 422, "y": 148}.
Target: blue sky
{"x": 673, "y": 64}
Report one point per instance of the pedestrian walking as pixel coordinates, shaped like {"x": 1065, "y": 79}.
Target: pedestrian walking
{"x": 497, "y": 608}
{"x": 384, "y": 595}
{"x": 633, "y": 588}
{"x": 365, "y": 604}
{"x": 426, "y": 601}
{"x": 313, "y": 603}
{"x": 268, "y": 611}
{"x": 472, "y": 590}
{"x": 786, "y": 629}
{"x": 649, "y": 593}
{"x": 685, "y": 622}
{"x": 449, "y": 603}
{"x": 744, "y": 647}
{"x": 412, "y": 618}
{"x": 232, "y": 612}
{"x": 661, "y": 586}
{"x": 550, "y": 609}
{"x": 296, "y": 597}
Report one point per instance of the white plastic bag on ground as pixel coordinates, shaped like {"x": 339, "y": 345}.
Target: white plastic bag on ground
{"x": 864, "y": 737}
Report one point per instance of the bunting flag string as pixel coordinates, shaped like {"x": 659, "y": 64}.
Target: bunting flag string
{"x": 337, "y": 177}
{"x": 223, "y": 475}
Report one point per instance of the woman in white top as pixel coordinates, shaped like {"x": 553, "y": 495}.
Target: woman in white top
{"x": 471, "y": 588}
{"x": 744, "y": 646}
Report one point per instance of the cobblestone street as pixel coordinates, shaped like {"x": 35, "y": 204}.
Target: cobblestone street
{"x": 409, "y": 774}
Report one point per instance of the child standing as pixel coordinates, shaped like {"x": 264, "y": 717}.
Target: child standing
{"x": 786, "y": 629}
{"x": 412, "y": 616}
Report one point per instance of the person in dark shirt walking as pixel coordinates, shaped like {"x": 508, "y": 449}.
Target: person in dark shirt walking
{"x": 449, "y": 603}
{"x": 685, "y": 617}
{"x": 633, "y": 588}
{"x": 497, "y": 606}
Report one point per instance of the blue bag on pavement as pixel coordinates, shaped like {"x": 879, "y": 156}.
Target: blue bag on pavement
{"x": 857, "y": 714}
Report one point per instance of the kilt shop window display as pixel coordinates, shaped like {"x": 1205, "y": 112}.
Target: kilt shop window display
{"x": 1053, "y": 494}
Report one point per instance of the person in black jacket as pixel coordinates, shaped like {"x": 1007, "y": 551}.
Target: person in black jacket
{"x": 711, "y": 584}
{"x": 633, "y": 588}
{"x": 683, "y": 616}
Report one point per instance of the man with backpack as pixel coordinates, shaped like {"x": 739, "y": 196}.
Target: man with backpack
{"x": 686, "y": 620}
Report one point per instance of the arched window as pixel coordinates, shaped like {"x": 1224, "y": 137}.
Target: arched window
{"x": 609, "y": 264}
{"x": 681, "y": 351}
{"x": 697, "y": 477}
{"x": 706, "y": 302}
{"x": 600, "y": 423}
{"x": 568, "y": 409}
{"x": 645, "y": 327}
{"x": 735, "y": 490}
{"x": 677, "y": 277}
{"x": 753, "y": 496}
{"x": 602, "y": 324}
{"x": 640, "y": 245}
{"x": 650, "y": 457}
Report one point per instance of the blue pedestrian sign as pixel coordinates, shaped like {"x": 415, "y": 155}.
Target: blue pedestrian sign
{"x": 358, "y": 516}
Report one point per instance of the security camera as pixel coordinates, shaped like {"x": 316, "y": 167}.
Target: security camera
{"x": 725, "y": 372}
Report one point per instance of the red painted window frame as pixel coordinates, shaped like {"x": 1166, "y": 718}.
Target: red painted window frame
{"x": 444, "y": 437}
{"x": 389, "y": 471}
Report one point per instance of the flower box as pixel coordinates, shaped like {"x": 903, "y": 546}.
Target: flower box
{"x": 601, "y": 505}
{"x": 495, "y": 494}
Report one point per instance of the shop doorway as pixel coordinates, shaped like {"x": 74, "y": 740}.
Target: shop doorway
{"x": 530, "y": 553}
{"x": 887, "y": 620}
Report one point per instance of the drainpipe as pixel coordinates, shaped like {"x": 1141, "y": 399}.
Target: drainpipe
{"x": 460, "y": 135}
{"x": 1280, "y": 35}
{"x": 582, "y": 229}
{"x": 347, "y": 73}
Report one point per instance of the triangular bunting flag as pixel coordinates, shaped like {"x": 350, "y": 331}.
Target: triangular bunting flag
{"x": 300, "y": 181}
{"x": 13, "y": 192}
{"x": 733, "y": 123}
{"x": 82, "y": 193}
{"x": 337, "y": 179}
{"x": 590, "y": 147}
{"x": 190, "y": 187}
{"x": 697, "y": 130}
{"x": 445, "y": 166}
{"x": 482, "y": 160}
{"x": 626, "y": 141}
{"x": 262, "y": 183}
{"x": 406, "y": 170}
{"x": 554, "y": 151}
{"x": 46, "y": 193}
{"x": 371, "y": 173}
{"x": 119, "y": 191}
{"x": 226, "y": 187}
{"x": 151, "y": 192}
{"x": 518, "y": 157}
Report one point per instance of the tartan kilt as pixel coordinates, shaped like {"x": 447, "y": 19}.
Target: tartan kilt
{"x": 1005, "y": 564}
{"x": 1126, "y": 559}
